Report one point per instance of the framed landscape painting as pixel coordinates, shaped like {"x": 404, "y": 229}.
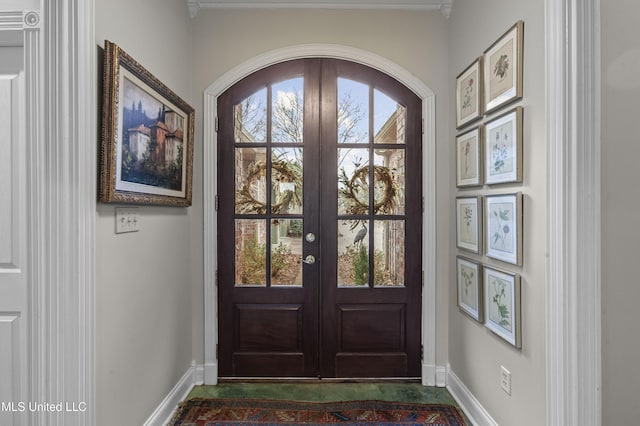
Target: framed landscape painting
{"x": 503, "y": 69}
{"x": 146, "y": 154}
{"x": 502, "y": 304}
{"x": 503, "y": 153}
{"x": 469, "y": 94}
{"x": 504, "y": 227}
{"x": 470, "y": 288}
{"x": 469, "y": 158}
{"x": 469, "y": 223}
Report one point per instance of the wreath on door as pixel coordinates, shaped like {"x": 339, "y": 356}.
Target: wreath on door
{"x": 288, "y": 178}
{"x": 354, "y": 191}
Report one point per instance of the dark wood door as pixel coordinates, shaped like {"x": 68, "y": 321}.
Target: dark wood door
{"x": 319, "y": 223}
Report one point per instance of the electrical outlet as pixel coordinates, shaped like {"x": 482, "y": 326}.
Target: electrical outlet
{"x": 505, "y": 380}
{"x": 127, "y": 220}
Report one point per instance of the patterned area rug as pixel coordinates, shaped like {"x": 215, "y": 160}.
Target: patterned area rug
{"x": 209, "y": 412}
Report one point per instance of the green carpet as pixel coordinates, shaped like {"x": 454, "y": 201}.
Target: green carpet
{"x": 327, "y": 392}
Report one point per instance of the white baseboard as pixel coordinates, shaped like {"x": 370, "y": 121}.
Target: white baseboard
{"x": 210, "y": 373}
{"x": 162, "y": 415}
{"x": 434, "y": 375}
{"x": 441, "y": 376}
{"x": 467, "y": 401}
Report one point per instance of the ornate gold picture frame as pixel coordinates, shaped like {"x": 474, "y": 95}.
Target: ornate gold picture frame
{"x": 146, "y": 152}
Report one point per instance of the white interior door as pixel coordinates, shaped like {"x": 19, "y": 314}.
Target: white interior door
{"x": 13, "y": 239}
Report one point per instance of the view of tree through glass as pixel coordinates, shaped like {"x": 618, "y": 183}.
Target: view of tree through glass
{"x": 365, "y": 116}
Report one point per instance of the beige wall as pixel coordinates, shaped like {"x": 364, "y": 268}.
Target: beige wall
{"x": 149, "y": 283}
{"x": 475, "y": 354}
{"x": 620, "y": 207}
{"x": 416, "y": 41}
{"x": 143, "y": 295}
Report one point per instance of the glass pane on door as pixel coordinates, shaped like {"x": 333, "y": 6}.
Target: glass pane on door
{"x": 286, "y": 181}
{"x": 389, "y": 181}
{"x": 353, "y": 181}
{"x": 251, "y": 252}
{"x": 353, "y": 253}
{"x": 389, "y": 120}
{"x": 388, "y": 254}
{"x": 250, "y": 118}
{"x": 287, "y": 109}
{"x": 353, "y": 112}
{"x": 286, "y": 252}
{"x": 250, "y": 181}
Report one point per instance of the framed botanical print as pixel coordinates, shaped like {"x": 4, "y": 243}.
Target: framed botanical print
{"x": 469, "y": 223}
{"x": 469, "y": 158}
{"x": 503, "y": 69}
{"x": 146, "y": 155}
{"x": 503, "y": 217}
{"x": 469, "y": 93}
{"x": 502, "y": 304}
{"x": 470, "y": 288}
{"x": 503, "y": 152}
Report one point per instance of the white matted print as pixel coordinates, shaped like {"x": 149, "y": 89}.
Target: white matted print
{"x": 503, "y": 69}
{"x": 504, "y": 227}
{"x": 470, "y": 288}
{"x": 503, "y": 153}
{"x": 502, "y": 304}
{"x": 468, "y": 158}
{"x": 469, "y": 94}
{"x": 469, "y": 223}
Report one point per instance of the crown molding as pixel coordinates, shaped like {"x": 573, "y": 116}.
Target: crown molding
{"x": 444, "y": 6}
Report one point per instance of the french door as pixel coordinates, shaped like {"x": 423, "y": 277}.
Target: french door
{"x": 319, "y": 223}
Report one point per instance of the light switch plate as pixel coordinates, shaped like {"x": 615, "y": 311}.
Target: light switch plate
{"x": 505, "y": 380}
{"x": 127, "y": 220}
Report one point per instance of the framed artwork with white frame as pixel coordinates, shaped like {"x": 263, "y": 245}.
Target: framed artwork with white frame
{"x": 503, "y": 69}
{"x": 503, "y": 224}
{"x": 502, "y": 310}
{"x": 469, "y": 223}
{"x": 503, "y": 152}
{"x": 470, "y": 289}
{"x": 469, "y": 158}
{"x": 469, "y": 94}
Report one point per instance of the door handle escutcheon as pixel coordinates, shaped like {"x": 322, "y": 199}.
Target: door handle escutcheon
{"x": 309, "y": 260}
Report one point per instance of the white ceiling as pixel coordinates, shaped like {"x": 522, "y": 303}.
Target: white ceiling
{"x": 442, "y": 5}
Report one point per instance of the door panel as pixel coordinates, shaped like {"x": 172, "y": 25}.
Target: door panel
{"x": 371, "y": 251}
{"x": 268, "y": 297}
{"x": 13, "y": 239}
{"x": 319, "y": 224}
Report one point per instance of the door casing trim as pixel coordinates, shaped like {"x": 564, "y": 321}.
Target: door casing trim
{"x": 320, "y": 50}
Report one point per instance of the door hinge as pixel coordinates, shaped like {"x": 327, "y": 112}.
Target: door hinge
{"x": 422, "y": 279}
{"x": 422, "y": 126}
{"x": 216, "y": 123}
{"x": 217, "y": 203}
{"x": 422, "y": 352}
{"x": 422, "y": 204}
{"x": 217, "y": 351}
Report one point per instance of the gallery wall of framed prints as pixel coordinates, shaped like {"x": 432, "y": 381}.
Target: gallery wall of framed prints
{"x": 488, "y": 161}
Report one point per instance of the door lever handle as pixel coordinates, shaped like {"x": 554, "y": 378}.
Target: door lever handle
{"x": 309, "y": 260}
